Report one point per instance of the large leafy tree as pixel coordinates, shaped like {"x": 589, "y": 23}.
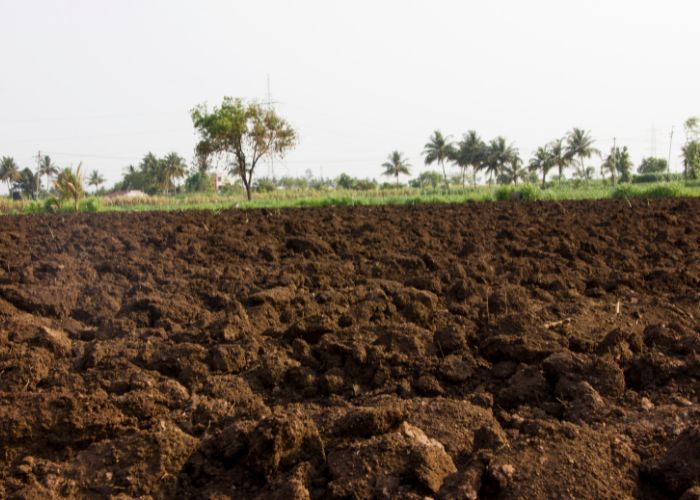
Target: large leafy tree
{"x": 9, "y": 172}
{"x": 439, "y": 149}
{"x": 243, "y": 134}
{"x": 47, "y": 169}
{"x": 542, "y": 162}
{"x": 652, "y": 165}
{"x": 396, "y": 165}
{"x": 95, "y": 179}
{"x": 470, "y": 153}
{"x": 579, "y": 144}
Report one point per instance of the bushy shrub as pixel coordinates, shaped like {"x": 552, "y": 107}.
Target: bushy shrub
{"x": 626, "y": 191}
{"x": 90, "y": 205}
{"x": 527, "y": 192}
{"x": 670, "y": 190}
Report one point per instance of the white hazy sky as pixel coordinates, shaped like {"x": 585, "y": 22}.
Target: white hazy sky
{"x": 104, "y": 82}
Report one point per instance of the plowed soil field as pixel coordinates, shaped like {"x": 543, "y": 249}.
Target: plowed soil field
{"x": 496, "y": 350}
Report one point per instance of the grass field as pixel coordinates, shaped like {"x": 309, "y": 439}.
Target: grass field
{"x": 340, "y": 197}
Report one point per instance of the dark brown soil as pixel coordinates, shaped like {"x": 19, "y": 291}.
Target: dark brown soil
{"x": 500, "y": 350}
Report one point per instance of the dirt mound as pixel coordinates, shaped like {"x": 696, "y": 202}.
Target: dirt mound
{"x": 499, "y": 350}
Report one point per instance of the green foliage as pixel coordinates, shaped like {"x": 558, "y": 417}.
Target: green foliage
{"x": 669, "y": 190}
{"x": 91, "y": 204}
{"x": 626, "y": 191}
{"x": 242, "y": 134}
{"x": 660, "y": 177}
{"x": 439, "y": 149}
{"x": 198, "y": 182}
{"x": 526, "y": 192}
{"x": 69, "y": 185}
{"x": 652, "y": 165}
{"x": 153, "y": 175}
{"x": 9, "y": 172}
{"x": 27, "y": 185}
{"x": 427, "y": 179}
{"x": 395, "y": 165}
{"x": 691, "y": 159}
{"x": 264, "y": 185}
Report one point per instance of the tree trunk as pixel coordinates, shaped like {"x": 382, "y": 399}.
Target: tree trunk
{"x": 544, "y": 178}
{"x": 444, "y": 175}
{"x": 397, "y": 180}
{"x": 464, "y": 177}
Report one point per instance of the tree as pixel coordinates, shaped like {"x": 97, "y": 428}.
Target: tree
{"x": 652, "y": 166}
{"x": 46, "y": 168}
{"x": 69, "y": 185}
{"x": 513, "y": 170}
{"x": 26, "y": 183}
{"x": 691, "y": 160}
{"x": 498, "y": 154}
{"x": 429, "y": 178}
{"x": 560, "y": 158}
{"x": 438, "y": 149}
{"x": 396, "y": 165}
{"x": 579, "y": 143}
{"x": 9, "y": 172}
{"x": 543, "y": 161}
{"x": 243, "y": 134}
{"x": 95, "y": 179}
{"x": 470, "y": 152}
{"x": 691, "y": 148}
{"x": 171, "y": 167}
{"x": 619, "y": 163}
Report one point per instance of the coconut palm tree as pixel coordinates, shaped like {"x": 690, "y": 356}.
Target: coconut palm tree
{"x": 498, "y": 154}
{"x": 579, "y": 143}
{"x": 46, "y": 168}
{"x": 171, "y": 167}
{"x": 513, "y": 170}
{"x": 470, "y": 152}
{"x": 543, "y": 161}
{"x": 95, "y": 179}
{"x": 9, "y": 172}
{"x": 69, "y": 185}
{"x": 438, "y": 149}
{"x": 395, "y": 165}
{"x": 560, "y": 157}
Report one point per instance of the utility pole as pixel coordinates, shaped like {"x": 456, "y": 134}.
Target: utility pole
{"x": 271, "y": 172}
{"x": 670, "y": 145}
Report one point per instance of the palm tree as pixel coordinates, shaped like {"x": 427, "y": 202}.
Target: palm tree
{"x": 95, "y": 179}
{"x": 513, "y": 170}
{"x": 560, "y": 157}
{"x": 46, "y": 168}
{"x": 498, "y": 154}
{"x": 618, "y": 162}
{"x": 69, "y": 184}
{"x": 543, "y": 161}
{"x": 438, "y": 149}
{"x": 579, "y": 143}
{"x": 171, "y": 167}
{"x": 470, "y": 152}
{"x": 9, "y": 172}
{"x": 395, "y": 165}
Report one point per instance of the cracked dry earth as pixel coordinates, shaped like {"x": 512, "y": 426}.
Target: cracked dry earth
{"x": 496, "y": 350}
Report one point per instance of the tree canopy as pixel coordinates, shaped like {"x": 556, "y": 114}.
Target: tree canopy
{"x": 242, "y": 134}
